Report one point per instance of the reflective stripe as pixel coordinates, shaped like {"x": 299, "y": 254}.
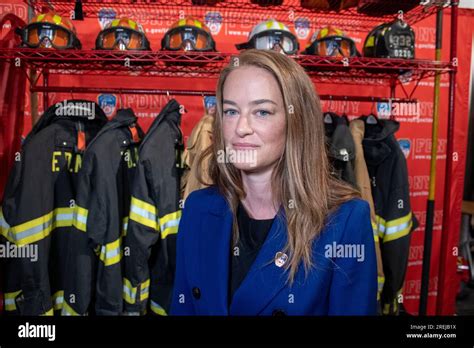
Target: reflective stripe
{"x": 169, "y": 224}
{"x": 67, "y": 310}
{"x": 39, "y": 228}
{"x": 156, "y": 308}
{"x": 398, "y": 228}
{"x": 374, "y": 231}
{"x": 111, "y": 253}
{"x": 10, "y": 304}
{"x": 394, "y": 229}
{"x": 80, "y": 218}
{"x": 58, "y": 300}
{"x": 49, "y": 313}
{"x": 4, "y": 226}
{"x": 125, "y": 226}
{"x": 143, "y": 213}
{"x": 145, "y": 290}
{"x": 129, "y": 292}
{"x": 381, "y": 282}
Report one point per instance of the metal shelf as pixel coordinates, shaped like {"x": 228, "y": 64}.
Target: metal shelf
{"x": 243, "y": 11}
{"x": 209, "y": 65}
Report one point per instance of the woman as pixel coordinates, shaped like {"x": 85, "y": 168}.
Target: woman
{"x": 276, "y": 233}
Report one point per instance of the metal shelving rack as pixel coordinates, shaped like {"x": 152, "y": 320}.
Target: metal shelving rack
{"x": 384, "y": 72}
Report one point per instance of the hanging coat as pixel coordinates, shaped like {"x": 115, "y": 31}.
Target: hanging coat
{"x": 100, "y": 218}
{"x": 38, "y": 205}
{"x": 388, "y": 173}
{"x": 341, "y": 150}
{"x": 154, "y": 217}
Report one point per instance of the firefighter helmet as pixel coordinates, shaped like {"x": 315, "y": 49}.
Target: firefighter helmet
{"x": 188, "y": 34}
{"x": 50, "y": 30}
{"x": 122, "y": 34}
{"x": 271, "y": 35}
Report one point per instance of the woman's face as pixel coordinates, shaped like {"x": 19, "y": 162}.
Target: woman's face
{"x": 254, "y": 121}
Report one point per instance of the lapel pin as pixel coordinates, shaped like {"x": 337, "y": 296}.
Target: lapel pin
{"x": 280, "y": 259}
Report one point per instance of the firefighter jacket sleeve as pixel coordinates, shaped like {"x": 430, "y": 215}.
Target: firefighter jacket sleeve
{"x": 150, "y": 244}
{"x": 200, "y": 140}
{"x": 357, "y": 128}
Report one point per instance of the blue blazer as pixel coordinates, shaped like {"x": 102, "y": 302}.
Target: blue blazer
{"x": 343, "y": 280}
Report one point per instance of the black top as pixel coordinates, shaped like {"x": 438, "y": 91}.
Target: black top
{"x": 252, "y": 235}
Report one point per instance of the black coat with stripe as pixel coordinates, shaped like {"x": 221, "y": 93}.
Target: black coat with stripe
{"x": 38, "y": 205}
{"x": 154, "y": 217}
{"x": 94, "y": 283}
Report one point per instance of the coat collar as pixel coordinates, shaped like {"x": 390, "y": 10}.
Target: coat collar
{"x": 264, "y": 279}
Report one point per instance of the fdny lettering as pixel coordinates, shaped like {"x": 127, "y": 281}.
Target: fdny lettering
{"x": 63, "y": 159}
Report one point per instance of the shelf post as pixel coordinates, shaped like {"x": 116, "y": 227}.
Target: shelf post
{"x": 428, "y": 237}
{"x": 447, "y": 216}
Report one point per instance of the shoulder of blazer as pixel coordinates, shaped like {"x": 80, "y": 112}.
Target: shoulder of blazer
{"x": 348, "y": 215}
{"x": 206, "y": 200}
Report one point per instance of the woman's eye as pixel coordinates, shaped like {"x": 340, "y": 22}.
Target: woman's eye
{"x": 230, "y": 112}
{"x": 263, "y": 113}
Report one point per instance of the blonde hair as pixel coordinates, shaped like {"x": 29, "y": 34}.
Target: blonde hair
{"x": 301, "y": 180}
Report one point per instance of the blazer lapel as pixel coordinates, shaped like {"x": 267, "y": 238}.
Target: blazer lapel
{"x": 265, "y": 279}
{"x": 214, "y": 262}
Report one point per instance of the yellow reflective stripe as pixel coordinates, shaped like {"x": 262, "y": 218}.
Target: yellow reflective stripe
{"x": 198, "y": 24}
{"x": 169, "y": 223}
{"x": 129, "y": 292}
{"x": 4, "y": 226}
{"x": 49, "y": 313}
{"x": 67, "y": 310}
{"x": 58, "y": 300}
{"x": 10, "y": 304}
{"x": 111, "y": 253}
{"x": 374, "y": 231}
{"x": 40, "y": 17}
{"x": 143, "y": 213}
{"x": 145, "y": 290}
{"x": 143, "y": 205}
{"x": 401, "y": 231}
{"x": 182, "y": 22}
{"x": 381, "y": 282}
{"x": 115, "y": 22}
{"x": 80, "y": 218}
{"x": 39, "y": 228}
{"x": 399, "y": 221}
{"x": 157, "y": 309}
{"x": 124, "y": 226}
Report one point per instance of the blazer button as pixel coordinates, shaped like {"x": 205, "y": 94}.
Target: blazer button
{"x": 279, "y": 313}
{"x": 196, "y": 293}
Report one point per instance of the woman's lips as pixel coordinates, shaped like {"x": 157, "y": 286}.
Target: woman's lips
{"x": 244, "y": 146}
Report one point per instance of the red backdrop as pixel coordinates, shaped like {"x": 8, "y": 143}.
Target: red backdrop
{"x": 415, "y": 129}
